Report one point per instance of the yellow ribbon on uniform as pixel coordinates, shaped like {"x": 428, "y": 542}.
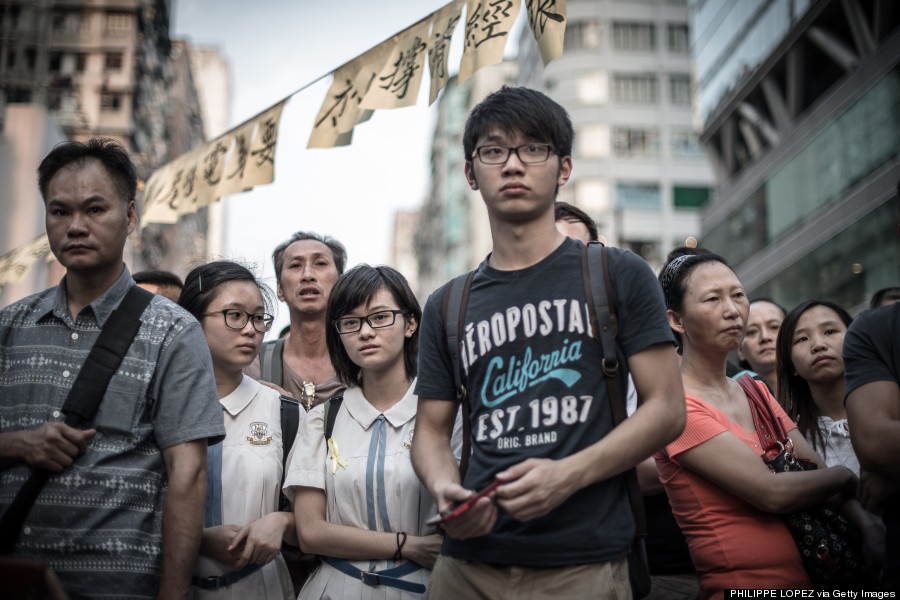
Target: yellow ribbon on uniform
{"x": 335, "y": 456}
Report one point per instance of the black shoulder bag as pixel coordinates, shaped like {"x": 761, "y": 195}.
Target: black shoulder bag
{"x": 83, "y": 400}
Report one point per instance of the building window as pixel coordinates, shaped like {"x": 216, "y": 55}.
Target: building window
{"x": 689, "y": 197}
{"x": 114, "y": 61}
{"x": 685, "y": 144}
{"x": 634, "y": 36}
{"x": 30, "y": 58}
{"x": 628, "y": 142}
{"x": 58, "y": 20}
{"x": 54, "y": 64}
{"x": 80, "y": 62}
{"x": 110, "y": 102}
{"x": 582, "y": 35}
{"x": 641, "y": 196}
{"x": 680, "y": 90}
{"x": 636, "y": 88}
{"x": 118, "y": 22}
{"x": 593, "y": 88}
{"x": 592, "y": 141}
{"x": 677, "y": 39}
{"x": 18, "y": 95}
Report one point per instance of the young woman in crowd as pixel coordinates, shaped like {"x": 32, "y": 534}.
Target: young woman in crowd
{"x": 725, "y": 499}
{"x": 243, "y": 530}
{"x": 357, "y": 502}
{"x": 757, "y": 350}
{"x": 811, "y": 378}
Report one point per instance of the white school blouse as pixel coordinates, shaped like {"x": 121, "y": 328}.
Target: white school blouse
{"x": 407, "y": 504}
{"x": 251, "y": 479}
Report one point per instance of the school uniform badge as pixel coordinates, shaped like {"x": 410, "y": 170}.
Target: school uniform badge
{"x": 259, "y": 434}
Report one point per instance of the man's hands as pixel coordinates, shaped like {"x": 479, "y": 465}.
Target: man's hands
{"x": 54, "y": 446}
{"x": 477, "y": 521}
{"x": 536, "y": 486}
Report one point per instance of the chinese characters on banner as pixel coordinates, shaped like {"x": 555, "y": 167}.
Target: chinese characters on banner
{"x": 15, "y": 264}
{"x": 547, "y": 20}
{"x": 397, "y": 85}
{"x": 235, "y": 162}
{"x": 487, "y": 27}
{"x": 443, "y": 24}
{"x": 341, "y": 110}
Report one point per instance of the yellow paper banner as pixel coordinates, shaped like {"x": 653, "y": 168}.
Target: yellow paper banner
{"x": 443, "y": 24}
{"x": 547, "y": 19}
{"x": 15, "y": 264}
{"x": 488, "y": 24}
{"x": 341, "y": 110}
{"x": 233, "y": 163}
{"x": 397, "y": 85}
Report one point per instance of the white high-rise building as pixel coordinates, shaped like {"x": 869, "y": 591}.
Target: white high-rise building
{"x": 624, "y": 77}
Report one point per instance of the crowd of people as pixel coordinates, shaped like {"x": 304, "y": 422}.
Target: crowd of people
{"x": 467, "y": 449}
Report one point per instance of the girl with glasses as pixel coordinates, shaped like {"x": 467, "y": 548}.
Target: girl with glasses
{"x": 357, "y": 502}
{"x": 240, "y": 552}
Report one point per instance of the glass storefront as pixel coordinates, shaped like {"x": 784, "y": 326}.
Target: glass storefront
{"x": 855, "y": 144}
{"x": 852, "y": 266}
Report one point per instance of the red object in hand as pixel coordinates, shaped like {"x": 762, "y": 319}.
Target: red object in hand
{"x": 464, "y": 505}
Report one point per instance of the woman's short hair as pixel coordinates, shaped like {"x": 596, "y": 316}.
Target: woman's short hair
{"x": 202, "y": 284}
{"x": 356, "y": 288}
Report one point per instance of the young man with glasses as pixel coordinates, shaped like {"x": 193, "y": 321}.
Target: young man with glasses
{"x": 122, "y": 513}
{"x": 560, "y": 522}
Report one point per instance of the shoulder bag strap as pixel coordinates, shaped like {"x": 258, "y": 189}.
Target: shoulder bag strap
{"x": 290, "y": 423}
{"x": 599, "y": 292}
{"x": 453, "y": 312}
{"x": 270, "y": 361}
{"x": 83, "y": 400}
{"x": 768, "y": 428}
{"x": 332, "y": 407}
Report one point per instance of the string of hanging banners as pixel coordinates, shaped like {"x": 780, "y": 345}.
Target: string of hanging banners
{"x": 386, "y": 76}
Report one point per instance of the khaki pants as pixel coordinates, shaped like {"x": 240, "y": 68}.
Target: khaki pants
{"x": 454, "y": 579}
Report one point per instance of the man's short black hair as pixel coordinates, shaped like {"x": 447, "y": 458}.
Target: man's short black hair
{"x": 109, "y": 152}
{"x": 564, "y": 210}
{"x": 881, "y": 295}
{"x": 337, "y": 251}
{"x": 158, "y": 278}
{"x": 520, "y": 110}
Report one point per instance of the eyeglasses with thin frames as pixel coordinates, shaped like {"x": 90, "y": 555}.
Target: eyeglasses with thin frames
{"x": 376, "y": 320}
{"x": 236, "y": 318}
{"x": 528, "y": 154}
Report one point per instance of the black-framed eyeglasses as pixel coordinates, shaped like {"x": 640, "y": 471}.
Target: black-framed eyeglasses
{"x": 376, "y": 320}
{"x": 237, "y": 319}
{"x": 529, "y": 154}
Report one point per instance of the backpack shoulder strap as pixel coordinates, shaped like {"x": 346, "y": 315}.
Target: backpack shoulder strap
{"x": 270, "y": 361}
{"x": 453, "y": 312}
{"x": 290, "y": 423}
{"x": 598, "y": 289}
{"x": 332, "y": 407}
